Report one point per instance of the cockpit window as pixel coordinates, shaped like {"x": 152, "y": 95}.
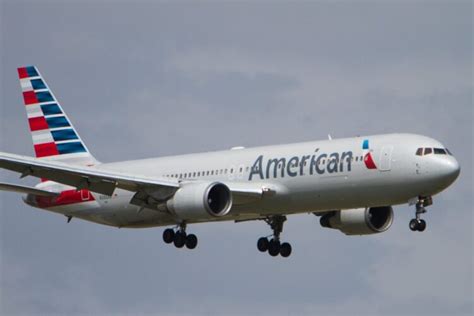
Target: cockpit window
{"x": 437, "y": 151}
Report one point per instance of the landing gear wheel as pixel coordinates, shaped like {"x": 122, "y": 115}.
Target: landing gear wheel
{"x": 179, "y": 239}
{"x": 191, "y": 241}
{"x": 274, "y": 248}
{"x": 417, "y": 225}
{"x": 168, "y": 235}
{"x": 262, "y": 244}
{"x": 413, "y": 225}
{"x": 285, "y": 250}
{"x": 421, "y": 225}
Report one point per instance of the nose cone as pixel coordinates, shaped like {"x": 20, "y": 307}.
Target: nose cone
{"x": 448, "y": 170}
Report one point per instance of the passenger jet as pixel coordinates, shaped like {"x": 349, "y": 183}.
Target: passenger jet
{"x": 350, "y": 183}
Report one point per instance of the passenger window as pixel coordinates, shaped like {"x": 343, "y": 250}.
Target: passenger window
{"x": 419, "y": 152}
{"x": 428, "y": 151}
{"x": 439, "y": 151}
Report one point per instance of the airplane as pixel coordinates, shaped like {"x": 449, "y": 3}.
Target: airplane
{"x": 351, "y": 184}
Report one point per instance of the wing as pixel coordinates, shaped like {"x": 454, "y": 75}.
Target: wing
{"x": 91, "y": 178}
{"x": 149, "y": 190}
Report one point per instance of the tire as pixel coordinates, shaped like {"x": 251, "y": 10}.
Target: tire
{"x": 168, "y": 235}
{"x": 285, "y": 250}
{"x": 262, "y": 244}
{"x": 421, "y": 225}
{"x": 274, "y": 248}
{"x": 413, "y": 225}
{"x": 191, "y": 241}
{"x": 179, "y": 239}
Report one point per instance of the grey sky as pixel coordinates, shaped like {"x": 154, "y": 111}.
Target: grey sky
{"x": 144, "y": 79}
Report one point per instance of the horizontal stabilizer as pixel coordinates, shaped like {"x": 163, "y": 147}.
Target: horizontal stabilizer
{"x": 26, "y": 190}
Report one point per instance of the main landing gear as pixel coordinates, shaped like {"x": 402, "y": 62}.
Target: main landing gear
{"x": 179, "y": 237}
{"x": 418, "y": 224}
{"x": 274, "y": 246}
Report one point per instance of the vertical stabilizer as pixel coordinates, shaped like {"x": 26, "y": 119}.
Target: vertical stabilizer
{"x": 54, "y": 137}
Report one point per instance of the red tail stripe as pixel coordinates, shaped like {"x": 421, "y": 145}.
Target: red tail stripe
{"x": 46, "y": 149}
{"x": 37, "y": 123}
{"x": 22, "y": 73}
{"x": 30, "y": 97}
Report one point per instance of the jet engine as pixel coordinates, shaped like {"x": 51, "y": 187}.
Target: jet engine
{"x": 201, "y": 200}
{"x": 360, "y": 221}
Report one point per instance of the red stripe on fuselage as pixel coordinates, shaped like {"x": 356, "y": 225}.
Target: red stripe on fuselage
{"x": 65, "y": 198}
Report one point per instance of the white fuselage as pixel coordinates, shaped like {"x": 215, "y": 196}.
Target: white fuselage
{"x": 307, "y": 177}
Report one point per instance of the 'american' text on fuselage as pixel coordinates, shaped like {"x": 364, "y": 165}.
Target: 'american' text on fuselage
{"x": 298, "y": 166}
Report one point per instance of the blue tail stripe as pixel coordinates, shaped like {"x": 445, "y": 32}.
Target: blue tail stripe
{"x": 64, "y": 134}
{"x": 31, "y": 71}
{"x": 44, "y": 96}
{"x": 70, "y": 148}
{"x": 38, "y": 84}
{"x": 51, "y": 109}
{"x": 59, "y": 121}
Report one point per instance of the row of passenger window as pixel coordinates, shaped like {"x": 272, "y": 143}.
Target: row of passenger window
{"x": 203, "y": 173}
{"x": 231, "y": 171}
{"x": 436, "y": 151}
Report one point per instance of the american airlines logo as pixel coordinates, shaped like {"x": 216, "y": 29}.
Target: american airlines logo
{"x": 301, "y": 165}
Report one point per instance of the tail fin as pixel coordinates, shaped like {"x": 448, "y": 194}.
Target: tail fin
{"x": 53, "y": 135}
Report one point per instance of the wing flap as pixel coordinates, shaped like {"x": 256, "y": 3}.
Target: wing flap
{"x": 24, "y": 189}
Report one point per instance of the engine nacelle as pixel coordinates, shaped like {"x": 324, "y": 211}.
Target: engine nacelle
{"x": 201, "y": 200}
{"x": 360, "y": 221}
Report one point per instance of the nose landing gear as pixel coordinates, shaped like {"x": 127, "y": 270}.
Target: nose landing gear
{"x": 179, "y": 237}
{"x": 417, "y": 223}
{"x": 274, "y": 246}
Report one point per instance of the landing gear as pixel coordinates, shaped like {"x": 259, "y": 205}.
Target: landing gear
{"x": 179, "y": 237}
{"x": 417, "y": 223}
{"x": 273, "y": 246}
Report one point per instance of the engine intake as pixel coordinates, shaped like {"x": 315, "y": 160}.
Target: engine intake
{"x": 361, "y": 221}
{"x": 201, "y": 200}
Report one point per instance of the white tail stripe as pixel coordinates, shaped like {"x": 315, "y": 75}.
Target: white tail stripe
{"x": 34, "y": 111}
{"x": 41, "y": 137}
{"x": 26, "y": 85}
